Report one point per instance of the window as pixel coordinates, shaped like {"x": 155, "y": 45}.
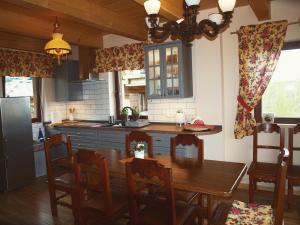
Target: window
{"x": 132, "y": 88}
{"x": 23, "y": 87}
{"x": 282, "y": 97}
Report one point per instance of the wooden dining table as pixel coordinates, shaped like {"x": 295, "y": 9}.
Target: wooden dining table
{"x": 216, "y": 179}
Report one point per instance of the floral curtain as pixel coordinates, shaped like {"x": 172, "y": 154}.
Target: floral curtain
{"x": 259, "y": 51}
{"x": 127, "y": 57}
{"x": 25, "y": 64}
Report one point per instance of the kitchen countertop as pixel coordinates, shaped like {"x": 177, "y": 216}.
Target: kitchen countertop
{"x": 152, "y": 127}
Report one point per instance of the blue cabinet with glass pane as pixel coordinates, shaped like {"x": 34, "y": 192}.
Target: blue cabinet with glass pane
{"x": 168, "y": 70}
{"x": 67, "y": 84}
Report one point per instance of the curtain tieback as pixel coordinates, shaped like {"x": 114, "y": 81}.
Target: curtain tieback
{"x": 244, "y": 104}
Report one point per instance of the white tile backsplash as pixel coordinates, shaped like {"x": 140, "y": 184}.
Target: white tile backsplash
{"x": 164, "y": 110}
{"x": 95, "y": 104}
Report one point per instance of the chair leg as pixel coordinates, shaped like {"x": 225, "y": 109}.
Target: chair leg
{"x": 290, "y": 194}
{"x": 75, "y": 208}
{"x": 252, "y": 185}
{"x": 53, "y": 203}
{"x": 82, "y": 217}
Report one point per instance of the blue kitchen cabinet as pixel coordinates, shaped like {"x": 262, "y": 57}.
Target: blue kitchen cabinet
{"x": 168, "y": 70}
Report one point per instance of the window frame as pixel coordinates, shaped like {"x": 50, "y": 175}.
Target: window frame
{"x": 37, "y": 91}
{"x": 258, "y": 108}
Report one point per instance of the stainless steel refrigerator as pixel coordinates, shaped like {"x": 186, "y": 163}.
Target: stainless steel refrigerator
{"x": 16, "y": 154}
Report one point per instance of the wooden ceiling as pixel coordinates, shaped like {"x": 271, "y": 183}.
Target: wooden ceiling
{"x": 84, "y": 22}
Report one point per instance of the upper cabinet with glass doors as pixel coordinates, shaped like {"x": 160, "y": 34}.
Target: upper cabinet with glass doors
{"x": 169, "y": 70}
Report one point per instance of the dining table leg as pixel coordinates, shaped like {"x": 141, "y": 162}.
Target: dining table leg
{"x": 202, "y": 209}
{"x": 212, "y": 203}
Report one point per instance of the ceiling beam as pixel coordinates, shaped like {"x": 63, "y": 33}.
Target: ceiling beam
{"x": 261, "y": 8}
{"x": 19, "y": 21}
{"x": 91, "y": 13}
{"x": 14, "y": 41}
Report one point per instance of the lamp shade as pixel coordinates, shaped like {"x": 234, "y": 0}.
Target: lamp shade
{"x": 192, "y": 2}
{"x": 57, "y": 46}
{"x": 152, "y": 7}
{"x": 227, "y": 5}
{"x": 216, "y": 18}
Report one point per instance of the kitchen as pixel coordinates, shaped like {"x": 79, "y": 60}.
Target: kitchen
{"x": 215, "y": 83}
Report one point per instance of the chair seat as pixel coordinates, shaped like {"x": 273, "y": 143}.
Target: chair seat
{"x": 263, "y": 170}
{"x": 97, "y": 202}
{"x": 243, "y": 214}
{"x": 65, "y": 180}
{"x": 153, "y": 215}
{"x": 293, "y": 172}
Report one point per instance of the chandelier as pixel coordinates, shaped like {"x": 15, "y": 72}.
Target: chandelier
{"x": 187, "y": 28}
{"x": 57, "y": 47}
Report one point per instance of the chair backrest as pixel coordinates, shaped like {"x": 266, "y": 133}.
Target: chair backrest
{"x": 279, "y": 194}
{"x": 52, "y": 144}
{"x": 292, "y": 148}
{"x": 92, "y": 178}
{"x": 267, "y": 128}
{"x": 139, "y": 136}
{"x": 187, "y": 139}
{"x": 149, "y": 172}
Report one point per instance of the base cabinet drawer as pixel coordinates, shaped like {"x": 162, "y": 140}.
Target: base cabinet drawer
{"x": 114, "y": 145}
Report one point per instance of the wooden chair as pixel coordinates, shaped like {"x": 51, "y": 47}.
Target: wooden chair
{"x": 262, "y": 171}
{"x": 243, "y": 213}
{"x": 293, "y": 175}
{"x": 61, "y": 184}
{"x": 187, "y": 139}
{"x": 152, "y": 209}
{"x": 97, "y": 200}
{"x": 139, "y": 136}
{"x": 184, "y": 140}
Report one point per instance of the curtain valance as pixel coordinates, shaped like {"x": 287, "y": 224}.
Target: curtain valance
{"x": 127, "y": 57}
{"x": 25, "y": 64}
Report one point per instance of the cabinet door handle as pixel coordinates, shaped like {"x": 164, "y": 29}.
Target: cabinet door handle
{"x": 157, "y": 140}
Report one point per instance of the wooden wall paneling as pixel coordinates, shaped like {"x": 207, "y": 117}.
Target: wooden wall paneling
{"x": 34, "y": 23}
{"x": 92, "y": 13}
{"x": 14, "y": 41}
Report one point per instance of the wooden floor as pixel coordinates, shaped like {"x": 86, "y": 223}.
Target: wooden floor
{"x": 30, "y": 206}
